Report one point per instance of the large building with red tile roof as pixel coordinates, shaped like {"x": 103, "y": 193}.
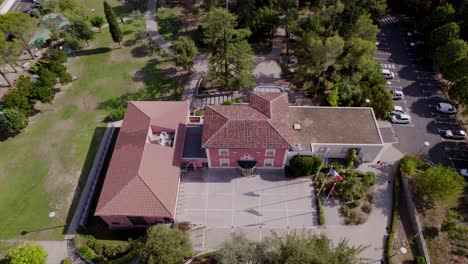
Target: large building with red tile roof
{"x": 157, "y": 139}
{"x": 142, "y": 181}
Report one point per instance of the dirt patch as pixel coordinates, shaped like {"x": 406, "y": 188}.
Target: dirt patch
{"x": 86, "y": 101}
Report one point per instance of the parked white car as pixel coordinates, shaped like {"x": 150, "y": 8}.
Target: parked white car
{"x": 397, "y": 110}
{"x": 401, "y": 119}
{"x": 413, "y": 33}
{"x": 464, "y": 172}
{"x": 388, "y": 74}
{"x": 397, "y": 95}
{"x": 416, "y": 43}
{"x": 446, "y": 108}
{"x": 454, "y": 134}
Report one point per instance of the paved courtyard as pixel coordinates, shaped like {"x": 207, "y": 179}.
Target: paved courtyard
{"x": 221, "y": 202}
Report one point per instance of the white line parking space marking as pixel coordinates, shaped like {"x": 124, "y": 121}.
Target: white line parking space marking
{"x": 428, "y": 84}
{"x": 426, "y": 78}
{"x": 388, "y": 66}
{"x": 430, "y": 72}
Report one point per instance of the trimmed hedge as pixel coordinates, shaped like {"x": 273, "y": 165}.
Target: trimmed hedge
{"x": 304, "y": 165}
{"x": 321, "y": 213}
{"x": 396, "y": 206}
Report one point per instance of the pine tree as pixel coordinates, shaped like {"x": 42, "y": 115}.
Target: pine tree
{"x": 114, "y": 28}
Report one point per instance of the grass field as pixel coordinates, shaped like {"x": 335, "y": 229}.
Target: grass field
{"x": 42, "y": 167}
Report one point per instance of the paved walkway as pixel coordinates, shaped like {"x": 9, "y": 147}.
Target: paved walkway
{"x": 267, "y": 70}
{"x": 200, "y": 66}
{"x": 152, "y": 26}
{"x": 373, "y": 232}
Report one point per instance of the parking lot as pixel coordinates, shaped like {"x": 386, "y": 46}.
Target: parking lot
{"x": 415, "y": 76}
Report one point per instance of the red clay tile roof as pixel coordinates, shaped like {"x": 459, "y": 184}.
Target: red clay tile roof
{"x": 143, "y": 178}
{"x": 263, "y": 123}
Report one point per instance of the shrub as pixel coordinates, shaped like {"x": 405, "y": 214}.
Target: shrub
{"x": 408, "y": 165}
{"x": 448, "y": 226}
{"x": 116, "y": 115}
{"x": 336, "y": 166}
{"x": 396, "y": 206}
{"x": 66, "y": 261}
{"x": 460, "y": 251}
{"x": 58, "y": 56}
{"x": 304, "y": 165}
{"x": 355, "y": 218}
{"x": 431, "y": 232}
{"x": 126, "y": 258}
{"x": 345, "y": 210}
{"x": 57, "y": 68}
{"x": 66, "y": 78}
{"x": 34, "y": 69}
{"x": 419, "y": 260}
{"x": 28, "y": 253}
{"x": 320, "y": 211}
{"x": 366, "y": 208}
{"x": 184, "y": 226}
{"x": 12, "y": 122}
{"x": 200, "y": 112}
{"x": 86, "y": 252}
{"x": 351, "y": 158}
{"x": 356, "y": 203}
{"x": 369, "y": 179}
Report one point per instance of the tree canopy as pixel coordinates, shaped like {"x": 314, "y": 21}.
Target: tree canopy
{"x": 441, "y": 185}
{"x": 165, "y": 245}
{"x": 289, "y": 249}
{"x": 184, "y": 49}
{"x": 114, "y": 27}
{"x": 97, "y": 21}
{"x": 231, "y": 62}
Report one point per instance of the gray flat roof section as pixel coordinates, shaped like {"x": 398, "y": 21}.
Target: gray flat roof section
{"x": 269, "y": 89}
{"x": 336, "y": 125}
{"x": 193, "y": 142}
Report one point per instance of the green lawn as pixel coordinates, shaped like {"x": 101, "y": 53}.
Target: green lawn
{"x": 41, "y": 167}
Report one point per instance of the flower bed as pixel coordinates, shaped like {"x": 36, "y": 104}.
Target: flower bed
{"x": 355, "y": 191}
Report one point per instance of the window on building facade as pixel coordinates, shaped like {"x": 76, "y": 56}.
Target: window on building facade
{"x": 137, "y": 220}
{"x": 322, "y": 149}
{"x": 223, "y": 152}
{"x": 224, "y": 162}
{"x": 270, "y": 152}
{"x": 268, "y": 163}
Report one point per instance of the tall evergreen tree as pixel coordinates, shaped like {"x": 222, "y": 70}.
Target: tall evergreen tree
{"x": 232, "y": 61}
{"x": 114, "y": 28}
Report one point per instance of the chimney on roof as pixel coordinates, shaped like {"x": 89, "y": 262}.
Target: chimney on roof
{"x": 297, "y": 126}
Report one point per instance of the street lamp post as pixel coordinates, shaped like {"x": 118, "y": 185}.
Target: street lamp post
{"x": 401, "y": 251}
{"x": 367, "y": 101}
{"x": 426, "y": 144}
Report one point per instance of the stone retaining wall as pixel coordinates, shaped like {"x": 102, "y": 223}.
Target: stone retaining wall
{"x": 414, "y": 218}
